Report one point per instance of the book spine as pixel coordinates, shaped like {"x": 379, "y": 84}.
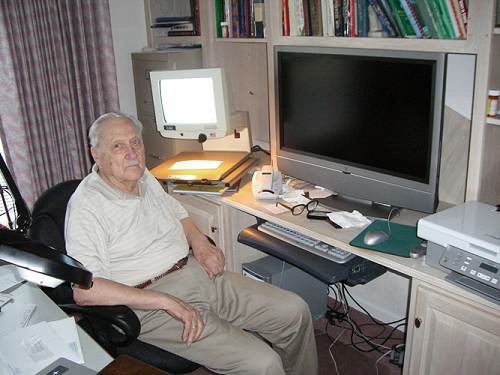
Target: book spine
{"x": 436, "y": 15}
{"x": 259, "y": 18}
{"x": 384, "y": 4}
{"x": 195, "y": 11}
{"x": 457, "y": 16}
{"x": 410, "y": 14}
{"x": 337, "y": 17}
{"x": 228, "y": 16}
{"x": 445, "y": 17}
{"x": 307, "y": 18}
{"x": 285, "y": 14}
{"x": 325, "y": 14}
{"x": 384, "y": 21}
{"x": 315, "y": 17}
{"x": 235, "y": 20}
{"x": 401, "y": 18}
{"x": 346, "y": 10}
{"x": 464, "y": 13}
{"x": 218, "y": 18}
{"x": 427, "y": 18}
{"x": 353, "y": 19}
{"x": 362, "y": 18}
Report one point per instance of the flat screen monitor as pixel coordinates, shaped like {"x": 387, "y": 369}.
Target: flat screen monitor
{"x": 190, "y": 103}
{"x": 363, "y": 123}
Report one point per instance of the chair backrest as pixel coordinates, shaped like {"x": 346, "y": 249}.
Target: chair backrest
{"x": 48, "y": 214}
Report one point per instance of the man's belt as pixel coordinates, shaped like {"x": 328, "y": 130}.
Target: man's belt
{"x": 177, "y": 266}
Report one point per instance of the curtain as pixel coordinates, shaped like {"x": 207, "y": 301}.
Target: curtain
{"x": 57, "y": 75}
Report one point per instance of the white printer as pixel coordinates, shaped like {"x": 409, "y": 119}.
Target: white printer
{"x": 464, "y": 241}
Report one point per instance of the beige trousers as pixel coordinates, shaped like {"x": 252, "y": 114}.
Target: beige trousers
{"x": 230, "y": 306}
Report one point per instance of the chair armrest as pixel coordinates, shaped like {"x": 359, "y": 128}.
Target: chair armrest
{"x": 116, "y": 325}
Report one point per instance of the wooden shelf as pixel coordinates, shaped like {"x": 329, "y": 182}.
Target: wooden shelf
{"x": 242, "y": 40}
{"x": 413, "y": 44}
{"x": 493, "y": 120}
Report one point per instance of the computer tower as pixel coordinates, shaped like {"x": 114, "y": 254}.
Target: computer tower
{"x": 279, "y": 273}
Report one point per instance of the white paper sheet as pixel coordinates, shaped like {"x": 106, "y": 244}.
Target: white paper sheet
{"x": 9, "y": 277}
{"x": 349, "y": 219}
{"x": 196, "y": 164}
{"x": 15, "y": 315}
{"x": 26, "y": 351}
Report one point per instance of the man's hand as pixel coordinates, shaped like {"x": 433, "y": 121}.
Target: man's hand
{"x": 209, "y": 256}
{"x": 189, "y": 316}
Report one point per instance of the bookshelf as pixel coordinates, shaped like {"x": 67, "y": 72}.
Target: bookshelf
{"x": 166, "y": 14}
{"x": 482, "y": 41}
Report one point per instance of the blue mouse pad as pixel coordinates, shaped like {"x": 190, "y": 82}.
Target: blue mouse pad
{"x": 402, "y": 240}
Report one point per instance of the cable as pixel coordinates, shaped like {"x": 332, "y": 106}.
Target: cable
{"x": 257, "y": 148}
{"x": 331, "y": 353}
{"x": 340, "y": 312}
{"x": 380, "y": 358}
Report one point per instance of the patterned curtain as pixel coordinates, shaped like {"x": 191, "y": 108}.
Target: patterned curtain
{"x": 57, "y": 74}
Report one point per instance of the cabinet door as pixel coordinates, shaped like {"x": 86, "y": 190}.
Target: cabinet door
{"x": 453, "y": 335}
{"x": 206, "y": 215}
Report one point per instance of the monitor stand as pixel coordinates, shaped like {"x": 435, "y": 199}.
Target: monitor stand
{"x": 367, "y": 208}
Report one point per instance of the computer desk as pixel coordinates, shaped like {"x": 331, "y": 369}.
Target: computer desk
{"x": 447, "y": 325}
{"x": 46, "y": 310}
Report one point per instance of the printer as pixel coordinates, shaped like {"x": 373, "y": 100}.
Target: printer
{"x": 464, "y": 241}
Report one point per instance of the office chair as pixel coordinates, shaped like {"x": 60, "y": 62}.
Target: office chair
{"x": 115, "y": 328}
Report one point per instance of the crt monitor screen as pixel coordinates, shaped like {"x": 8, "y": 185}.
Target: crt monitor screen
{"x": 188, "y": 103}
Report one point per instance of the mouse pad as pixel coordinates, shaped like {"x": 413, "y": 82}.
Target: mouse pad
{"x": 403, "y": 238}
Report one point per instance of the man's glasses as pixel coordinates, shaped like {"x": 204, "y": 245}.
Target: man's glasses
{"x": 299, "y": 208}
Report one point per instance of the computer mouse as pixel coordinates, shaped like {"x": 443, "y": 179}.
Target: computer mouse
{"x": 374, "y": 237}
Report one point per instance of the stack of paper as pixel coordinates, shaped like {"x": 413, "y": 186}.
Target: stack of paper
{"x": 30, "y": 349}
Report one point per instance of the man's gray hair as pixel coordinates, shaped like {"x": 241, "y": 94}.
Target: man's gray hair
{"x": 96, "y": 127}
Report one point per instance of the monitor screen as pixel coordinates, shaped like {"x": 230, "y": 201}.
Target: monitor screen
{"x": 190, "y": 103}
{"x": 368, "y": 119}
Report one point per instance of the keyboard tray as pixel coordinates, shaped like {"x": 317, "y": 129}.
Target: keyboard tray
{"x": 323, "y": 269}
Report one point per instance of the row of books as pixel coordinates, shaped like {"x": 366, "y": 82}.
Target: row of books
{"x": 183, "y": 25}
{"x": 239, "y": 18}
{"x": 437, "y": 19}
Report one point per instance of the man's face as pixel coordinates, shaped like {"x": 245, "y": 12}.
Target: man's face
{"x": 120, "y": 155}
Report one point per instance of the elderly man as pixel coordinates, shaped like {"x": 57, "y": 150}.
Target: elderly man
{"x": 135, "y": 239}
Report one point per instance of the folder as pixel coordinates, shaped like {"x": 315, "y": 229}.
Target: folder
{"x": 403, "y": 238}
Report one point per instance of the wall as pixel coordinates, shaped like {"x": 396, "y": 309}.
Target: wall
{"x": 128, "y": 26}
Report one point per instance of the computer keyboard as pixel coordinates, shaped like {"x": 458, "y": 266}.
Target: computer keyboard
{"x": 305, "y": 242}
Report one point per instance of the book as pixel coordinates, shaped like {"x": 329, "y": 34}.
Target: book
{"x": 338, "y": 18}
{"x": 362, "y": 18}
{"x": 218, "y": 18}
{"x": 401, "y": 19}
{"x": 384, "y": 21}
{"x": 435, "y": 14}
{"x": 415, "y": 22}
{"x": 315, "y": 18}
{"x": 384, "y": 4}
{"x": 258, "y": 12}
{"x": 455, "y": 14}
{"x": 285, "y": 18}
{"x": 445, "y": 18}
{"x": 427, "y": 18}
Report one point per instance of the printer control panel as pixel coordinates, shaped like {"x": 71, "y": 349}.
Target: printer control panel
{"x": 478, "y": 268}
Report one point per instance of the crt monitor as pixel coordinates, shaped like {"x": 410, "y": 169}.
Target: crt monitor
{"x": 191, "y": 104}
{"x": 363, "y": 123}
